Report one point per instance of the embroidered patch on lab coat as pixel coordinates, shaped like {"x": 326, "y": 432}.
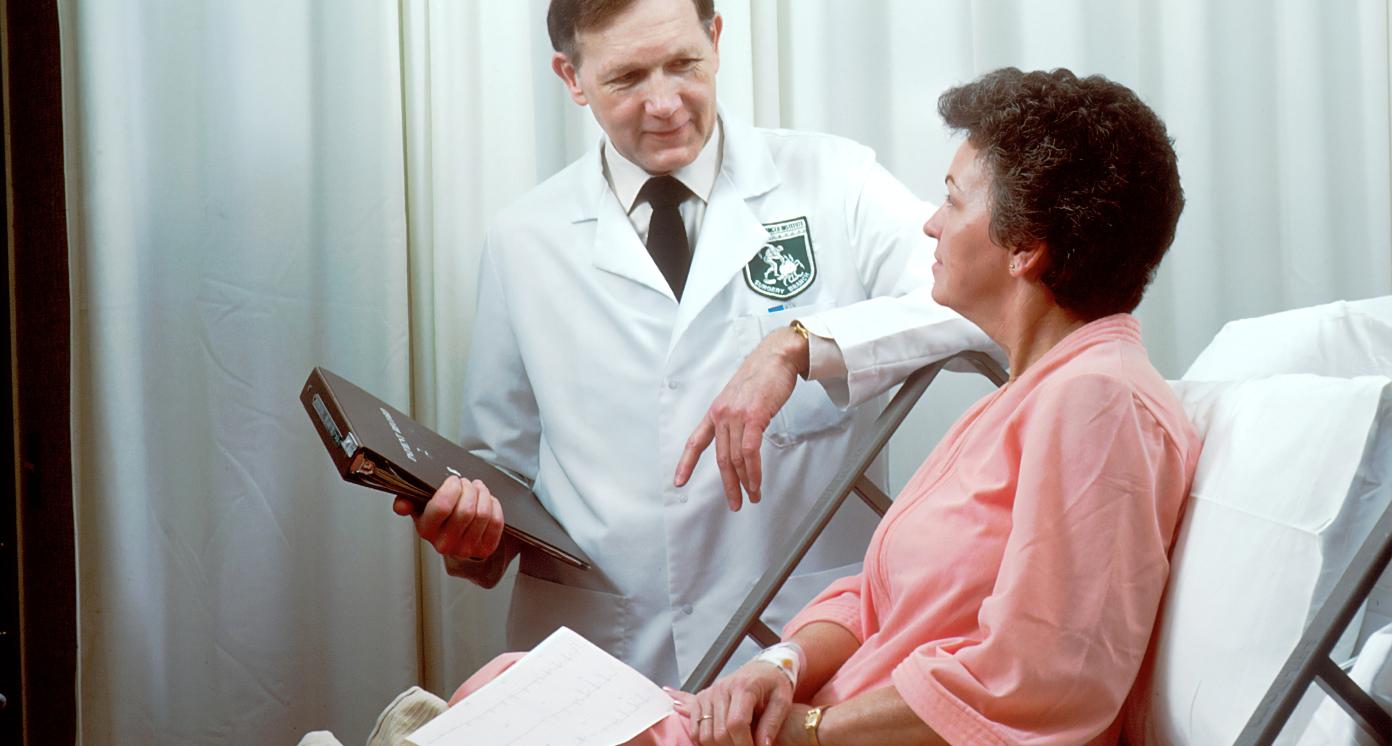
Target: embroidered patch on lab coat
{"x": 785, "y": 266}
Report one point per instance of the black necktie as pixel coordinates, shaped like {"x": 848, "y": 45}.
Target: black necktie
{"x": 666, "y": 233}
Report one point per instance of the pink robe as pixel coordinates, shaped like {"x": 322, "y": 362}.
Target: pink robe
{"x": 1009, "y": 593}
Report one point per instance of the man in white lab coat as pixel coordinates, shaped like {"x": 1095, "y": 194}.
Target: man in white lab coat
{"x": 613, "y": 306}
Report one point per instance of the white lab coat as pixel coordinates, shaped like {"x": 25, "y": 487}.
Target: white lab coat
{"x": 587, "y": 376}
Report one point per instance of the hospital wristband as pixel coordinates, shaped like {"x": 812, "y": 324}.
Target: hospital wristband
{"x": 787, "y": 657}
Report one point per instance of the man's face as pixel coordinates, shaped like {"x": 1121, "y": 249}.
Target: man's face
{"x": 649, "y": 78}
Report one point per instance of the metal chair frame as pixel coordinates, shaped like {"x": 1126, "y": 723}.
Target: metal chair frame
{"x": 1310, "y": 660}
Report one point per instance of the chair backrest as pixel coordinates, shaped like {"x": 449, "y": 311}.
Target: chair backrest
{"x": 1295, "y": 473}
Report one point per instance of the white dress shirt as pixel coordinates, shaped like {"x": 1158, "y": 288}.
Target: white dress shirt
{"x": 626, "y": 180}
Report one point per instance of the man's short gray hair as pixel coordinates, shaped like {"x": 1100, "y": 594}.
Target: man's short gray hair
{"x": 567, "y": 18}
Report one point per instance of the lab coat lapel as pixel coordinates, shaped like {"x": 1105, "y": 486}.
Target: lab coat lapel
{"x": 616, "y": 248}
{"x": 731, "y": 233}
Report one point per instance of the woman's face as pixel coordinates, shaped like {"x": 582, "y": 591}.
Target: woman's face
{"x": 969, "y": 271}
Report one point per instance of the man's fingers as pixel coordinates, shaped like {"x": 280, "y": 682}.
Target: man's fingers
{"x": 438, "y": 510}
{"x": 489, "y": 518}
{"x": 695, "y": 446}
{"x": 728, "y": 478}
{"x": 494, "y": 535}
{"x": 750, "y": 442}
{"x": 404, "y": 506}
{"x": 735, "y": 437}
{"x": 470, "y": 519}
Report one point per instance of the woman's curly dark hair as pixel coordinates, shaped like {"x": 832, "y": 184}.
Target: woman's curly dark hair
{"x": 1081, "y": 165}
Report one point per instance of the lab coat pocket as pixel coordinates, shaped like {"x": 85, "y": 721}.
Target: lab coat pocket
{"x": 540, "y": 606}
{"x": 809, "y": 410}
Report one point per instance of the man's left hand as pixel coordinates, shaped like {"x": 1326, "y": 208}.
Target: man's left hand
{"x": 737, "y": 419}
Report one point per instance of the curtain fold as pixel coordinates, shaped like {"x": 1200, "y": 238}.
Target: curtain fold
{"x": 483, "y": 126}
{"x": 258, "y": 187}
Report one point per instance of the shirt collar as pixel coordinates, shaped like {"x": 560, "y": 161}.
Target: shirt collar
{"x": 627, "y": 178}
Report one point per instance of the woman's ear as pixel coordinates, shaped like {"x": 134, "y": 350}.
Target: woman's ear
{"x": 1028, "y": 261}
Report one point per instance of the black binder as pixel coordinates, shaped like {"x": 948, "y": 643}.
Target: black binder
{"x": 377, "y": 446}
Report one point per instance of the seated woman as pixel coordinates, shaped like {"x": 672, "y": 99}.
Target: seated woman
{"x": 1009, "y": 594}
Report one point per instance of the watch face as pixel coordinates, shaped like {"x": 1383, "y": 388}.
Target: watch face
{"x": 810, "y": 723}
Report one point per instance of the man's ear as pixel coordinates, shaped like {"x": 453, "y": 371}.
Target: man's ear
{"x": 717, "y": 23}
{"x": 560, "y": 64}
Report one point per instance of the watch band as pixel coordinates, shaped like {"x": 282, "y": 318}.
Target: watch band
{"x": 811, "y": 722}
{"x": 801, "y": 330}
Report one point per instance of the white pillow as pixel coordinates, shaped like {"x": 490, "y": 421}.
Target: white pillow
{"x": 1281, "y": 501}
{"x": 1344, "y": 338}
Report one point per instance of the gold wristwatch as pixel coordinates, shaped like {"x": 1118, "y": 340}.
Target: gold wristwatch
{"x": 801, "y": 330}
{"x": 810, "y": 722}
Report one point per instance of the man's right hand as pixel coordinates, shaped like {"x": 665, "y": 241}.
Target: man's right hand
{"x": 462, "y": 519}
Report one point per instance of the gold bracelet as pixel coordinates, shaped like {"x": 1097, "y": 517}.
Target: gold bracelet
{"x": 802, "y": 331}
{"x": 811, "y": 722}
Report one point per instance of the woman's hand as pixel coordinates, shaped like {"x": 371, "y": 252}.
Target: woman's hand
{"x": 793, "y": 733}
{"x": 745, "y": 708}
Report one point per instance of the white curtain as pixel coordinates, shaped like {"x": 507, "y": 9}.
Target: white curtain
{"x": 236, "y": 177}
{"x": 258, "y": 187}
